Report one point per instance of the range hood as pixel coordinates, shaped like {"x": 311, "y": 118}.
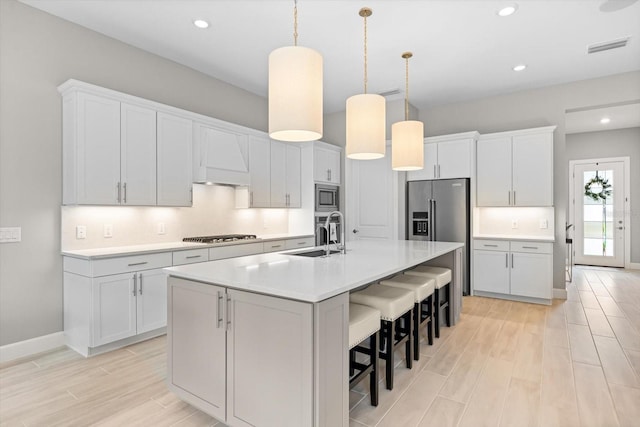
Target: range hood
{"x": 220, "y": 157}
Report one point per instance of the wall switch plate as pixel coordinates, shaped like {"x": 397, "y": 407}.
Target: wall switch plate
{"x": 544, "y": 224}
{"x": 81, "y": 231}
{"x": 161, "y": 229}
{"x": 514, "y": 223}
{"x": 10, "y": 234}
{"x": 108, "y": 230}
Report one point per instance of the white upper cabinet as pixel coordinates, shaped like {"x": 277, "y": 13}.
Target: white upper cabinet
{"x": 174, "y": 160}
{"x": 220, "y": 155}
{"x": 445, "y": 157}
{"x": 260, "y": 171}
{"x": 138, "y": 155}
{"x": 121, "y": 150}
{"x": 285, "y": 175}
{"x": 516, "y": 168}
{"x": 326, "y": 163}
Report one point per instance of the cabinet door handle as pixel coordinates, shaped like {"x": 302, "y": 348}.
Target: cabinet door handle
{"x": 228, "y": 312}
{"x": 118, "y": 187}
{"x": 302, "y": 243}
{"x": 511, "y": 260}
{"x": 506, "y": 260}
{"x": 438, "y": 171}
{"x": 251, "y": 199}
{"x": 219, "y": 309}
{"x": 275, "y": 246}
{"x": 434, "y": 171}
{"x": 140, "y": 283}
{"x": 124, "y": 193}
{"x": 135, "y": 283}
{"x": 490, "y": 246}
{"x": 193, "y": 256}
{"x": 509, "y": 192}
{"x": 530, "y": 247}
{"x": 514, "y": 197}
{"x": 329, "y": 174}
{"x": 138, "y": 263}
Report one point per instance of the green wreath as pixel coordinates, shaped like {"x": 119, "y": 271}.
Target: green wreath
{"x": 597, "y": 195}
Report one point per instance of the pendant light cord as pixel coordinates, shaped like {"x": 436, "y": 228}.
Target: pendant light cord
{"x": 406, "y": 90}
{"x": 295, "y": 22}
{"x": 365, "y": 55}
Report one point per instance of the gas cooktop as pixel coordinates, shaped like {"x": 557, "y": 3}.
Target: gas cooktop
{"x": 219, "y": 238}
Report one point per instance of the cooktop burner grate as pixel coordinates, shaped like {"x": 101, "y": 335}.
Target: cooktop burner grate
{"x": 219, "y": 238}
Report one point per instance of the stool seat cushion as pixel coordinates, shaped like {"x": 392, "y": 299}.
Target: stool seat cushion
{"x": 421, "y": 286}
{"x": 363, "y": 322}
{"x": 441, "y": 275}
{"x": 392, "y": 302}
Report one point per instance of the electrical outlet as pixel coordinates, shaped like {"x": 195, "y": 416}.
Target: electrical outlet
{"x": 10, "y": 234}
{"x": 514, "y": 223}
{"x": 161, "y": 229}
{"x": 108, "y": 230}
{"x": 81, "y": 231}
{"x": 544, "y": 224}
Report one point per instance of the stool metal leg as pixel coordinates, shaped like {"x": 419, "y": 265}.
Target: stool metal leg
{"x": 436, "y": 313}
{"x": 410, "y": 342}
{"x": 373, "y": 376}
{"x": 448, "y": 309}
{"x": 416, "y": 330}
{"x": 389, "y": 338}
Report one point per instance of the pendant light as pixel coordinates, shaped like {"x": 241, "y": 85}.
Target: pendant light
{"x": 295, "y": 91}
{"x": 366, "y": 120}
{"x": 407, "y": 137}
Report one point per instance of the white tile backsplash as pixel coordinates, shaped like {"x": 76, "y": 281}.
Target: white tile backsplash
{"x": 213, "y": 212}
{"x": 499, "y": 221}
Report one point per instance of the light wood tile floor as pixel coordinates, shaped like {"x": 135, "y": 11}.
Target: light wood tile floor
{"x": 575, "y": 363}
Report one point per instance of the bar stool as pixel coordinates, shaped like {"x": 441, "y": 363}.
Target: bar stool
{"x": 422, "y": 288}
{"x": 442, "y": 276}
{"x": 393, "y": 304}
{"x": 364, "y": 322}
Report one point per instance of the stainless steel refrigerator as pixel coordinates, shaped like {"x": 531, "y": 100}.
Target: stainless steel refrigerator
{"x": 439, "y": 210}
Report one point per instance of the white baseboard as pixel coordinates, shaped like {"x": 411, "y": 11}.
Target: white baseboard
{"x": 31, "y": 346}
{"x": 559, "y": 293}
{"x": 633, "y": 265}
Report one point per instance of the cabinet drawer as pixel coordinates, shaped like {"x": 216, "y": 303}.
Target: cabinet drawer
{"x": 275, "y": 246}
{"x": 235, "y": 250}
{"x": 190, "y": 256}
{"x": 532, "y": 247}
{"x": 491, "y": 245}
{"x": 103, "y": 267}
{"x": 300, "y": 243}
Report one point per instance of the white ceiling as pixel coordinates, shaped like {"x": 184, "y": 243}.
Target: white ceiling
{"x": 588, "y": 119}
{"x": 462, "y": 49}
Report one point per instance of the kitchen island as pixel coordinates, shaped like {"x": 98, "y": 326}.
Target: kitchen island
{"x": 262, "y": 340}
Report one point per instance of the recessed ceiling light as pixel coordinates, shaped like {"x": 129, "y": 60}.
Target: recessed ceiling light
{"x": 200, "y": 23}
{"x": 519, "y": 67}
{"x": 605, "y": 120}
{"x": 508, "y": 10}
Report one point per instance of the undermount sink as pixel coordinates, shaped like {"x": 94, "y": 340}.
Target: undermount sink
{"x": 314, "y": 253}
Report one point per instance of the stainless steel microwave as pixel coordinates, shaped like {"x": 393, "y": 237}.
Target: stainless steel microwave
{"x": 327, "y": 198}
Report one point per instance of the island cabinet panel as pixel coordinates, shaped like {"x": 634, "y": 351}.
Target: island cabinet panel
{"x": 196, "y": 365}
{"x": 269, "y": 353}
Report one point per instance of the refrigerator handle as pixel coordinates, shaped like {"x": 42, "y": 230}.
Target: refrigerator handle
{"x": 433, "y": 219}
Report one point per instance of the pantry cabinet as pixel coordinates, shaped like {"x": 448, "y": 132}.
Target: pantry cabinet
{"x": 225, "y": 377}
{"x": 514, "y": 269}
{"x": 515, "y": 168}
{"x": 326, "y": 163}
{"x": 446, "y": 157}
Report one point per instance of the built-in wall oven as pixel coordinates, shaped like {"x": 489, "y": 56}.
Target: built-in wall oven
{"x": 327, "y": 198}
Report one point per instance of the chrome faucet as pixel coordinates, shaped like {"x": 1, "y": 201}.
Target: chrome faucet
{"x": 343, "y": 247}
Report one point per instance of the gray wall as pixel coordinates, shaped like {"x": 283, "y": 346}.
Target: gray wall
{"x": 521, "y": 110}
{"x": 38, "y": 52}
{"x": 614, "y": 143}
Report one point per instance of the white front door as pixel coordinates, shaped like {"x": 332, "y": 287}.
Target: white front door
{"x": 372, "y": 199}
{"x": 598, "y": 197}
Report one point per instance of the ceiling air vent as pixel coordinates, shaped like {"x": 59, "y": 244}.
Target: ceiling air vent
{"x": 614, "y": 44}
{"x": 389, "y": 93}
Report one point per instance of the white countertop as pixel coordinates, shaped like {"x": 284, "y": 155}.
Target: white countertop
{"x": 315, "y": 279}
{"x": 168, "y": 246}
{"x": 549, "y": 239}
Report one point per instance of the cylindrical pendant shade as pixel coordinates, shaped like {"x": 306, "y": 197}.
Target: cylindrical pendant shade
{"x": 407, "y": 145}
{"x": 366, "y": 121}
{"x": 295, "y": 94}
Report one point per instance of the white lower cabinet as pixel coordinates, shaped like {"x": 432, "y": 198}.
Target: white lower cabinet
{"x": 220, "y": 341}
{"x": 515, "y": 268}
